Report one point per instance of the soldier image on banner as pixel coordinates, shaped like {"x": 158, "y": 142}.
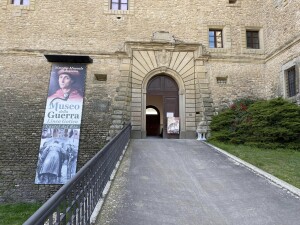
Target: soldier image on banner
{"x": 57, "y": 158}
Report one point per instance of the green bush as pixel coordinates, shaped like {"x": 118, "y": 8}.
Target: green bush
{"x": 261, "y": 123}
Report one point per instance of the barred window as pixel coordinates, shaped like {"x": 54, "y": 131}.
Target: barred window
{"x": 291, "y": 82}
{"x": 119, "y": 4}
{"x": 252, "y": 39}
{"x": 20, "y": 2}
{"x": 215, "y": 38}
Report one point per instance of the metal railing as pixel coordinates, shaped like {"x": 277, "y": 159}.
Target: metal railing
{"x": 75, "y": 201}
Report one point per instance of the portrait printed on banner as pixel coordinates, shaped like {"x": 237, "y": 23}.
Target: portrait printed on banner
{"x": 66, "y": 83}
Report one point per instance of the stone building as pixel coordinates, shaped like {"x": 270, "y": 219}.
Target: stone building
{"x": 183, "y": 59}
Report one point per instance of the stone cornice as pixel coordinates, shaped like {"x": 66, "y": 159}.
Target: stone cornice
{"x": 287, "y": 45}
{"x": 158, "y": 46}
{"x": 197, "y": 48}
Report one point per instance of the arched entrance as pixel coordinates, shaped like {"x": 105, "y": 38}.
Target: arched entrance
{"x": 153, "y": 121}
{"x": 163, "y": 93}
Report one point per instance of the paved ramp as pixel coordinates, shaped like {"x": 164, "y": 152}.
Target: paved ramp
{"x": 186, "y": 182}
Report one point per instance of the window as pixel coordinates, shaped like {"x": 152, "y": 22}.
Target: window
{"x": 290, "y": 79}
{"x": 20, "y": 2}
{"x": 101, "y": 77}
{"x": 119, "y": 4}
{"x": 218, "y": 37}
{"x": 232, "y": 1}
{"x": 221, "y": 80}
{"x": 151, "y": 111}
{"x": 215, "y": 38}
{"x": 291, "y": 82}
{"x": 252, "y": 39}
{"x": 119, "y": 8}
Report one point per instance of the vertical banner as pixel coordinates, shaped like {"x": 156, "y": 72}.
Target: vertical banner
{"x": 58, "y": 151}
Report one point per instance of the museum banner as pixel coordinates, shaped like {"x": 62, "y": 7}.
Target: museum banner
{"x": 57, "y": 158}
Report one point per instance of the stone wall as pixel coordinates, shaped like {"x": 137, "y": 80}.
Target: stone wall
{"x": 243, "y": 79}
{"x": 282, "y": 44}
{"x": 91, "y": 28}
{"x": 88, "y": 27}
{"x": 23, "y": 92}
{"x": 282, "y": 23}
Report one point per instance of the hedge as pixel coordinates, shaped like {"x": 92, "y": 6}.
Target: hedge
{"x": 262, "y": 123}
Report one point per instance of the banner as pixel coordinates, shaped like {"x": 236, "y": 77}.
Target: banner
{"x": 58, "y": 151}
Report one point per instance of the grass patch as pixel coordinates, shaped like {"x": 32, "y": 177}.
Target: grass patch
{"x": 282, "y": 163}
{"x": 16, "y": 213}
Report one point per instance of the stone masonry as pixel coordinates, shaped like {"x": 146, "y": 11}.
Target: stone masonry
{"x": 128, "y": 48}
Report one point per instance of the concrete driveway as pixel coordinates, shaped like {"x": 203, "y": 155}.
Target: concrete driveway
{"x": 186, "y": 182}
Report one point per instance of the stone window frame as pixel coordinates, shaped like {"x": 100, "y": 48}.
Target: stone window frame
{"x": 226, "y": 36}
{"x": 244, "y": 29}
{"x": 18, "y": 8}
{"x": 108, "y": 10}
{"x": 295, "y": 63}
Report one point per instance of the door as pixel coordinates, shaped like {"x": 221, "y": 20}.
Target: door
{"x": 152, "y": 121}
{"x": 162, "y": 92}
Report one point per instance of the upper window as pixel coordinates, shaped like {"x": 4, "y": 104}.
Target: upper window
{"x": 20, "y": 2}
{"x": 215, "y": 38}
{"x": 291, "y": 82}
{"x": 232, "y": 1}
{"x": 252, "y": 39}
{"x": 119, "y": 4}
{"x": 151, "y": 111}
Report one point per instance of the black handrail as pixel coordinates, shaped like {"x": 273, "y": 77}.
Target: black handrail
{"x": 75, "y": 201}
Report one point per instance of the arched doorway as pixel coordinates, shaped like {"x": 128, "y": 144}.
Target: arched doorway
{"x": 152, "y": 121}
{"x": 163, "y": 93}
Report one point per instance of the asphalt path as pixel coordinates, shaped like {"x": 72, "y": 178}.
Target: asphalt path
{"x": 186, "y": 182}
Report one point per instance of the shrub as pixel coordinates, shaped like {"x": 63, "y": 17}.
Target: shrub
{"x": 262, "y": 123}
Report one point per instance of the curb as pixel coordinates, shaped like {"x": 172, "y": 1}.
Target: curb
{"x": 290, "y": 188}
{"x": 100, "y": 203}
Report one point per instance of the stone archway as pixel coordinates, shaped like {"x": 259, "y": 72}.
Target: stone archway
{"x": 177, "y": 64}
{"x": 181, "y": 97}
{"x": 182, "y": 62}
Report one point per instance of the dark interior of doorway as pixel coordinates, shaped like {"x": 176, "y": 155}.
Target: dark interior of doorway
{"x": 153, "y": 123}
{"x": 164, "y": 92}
